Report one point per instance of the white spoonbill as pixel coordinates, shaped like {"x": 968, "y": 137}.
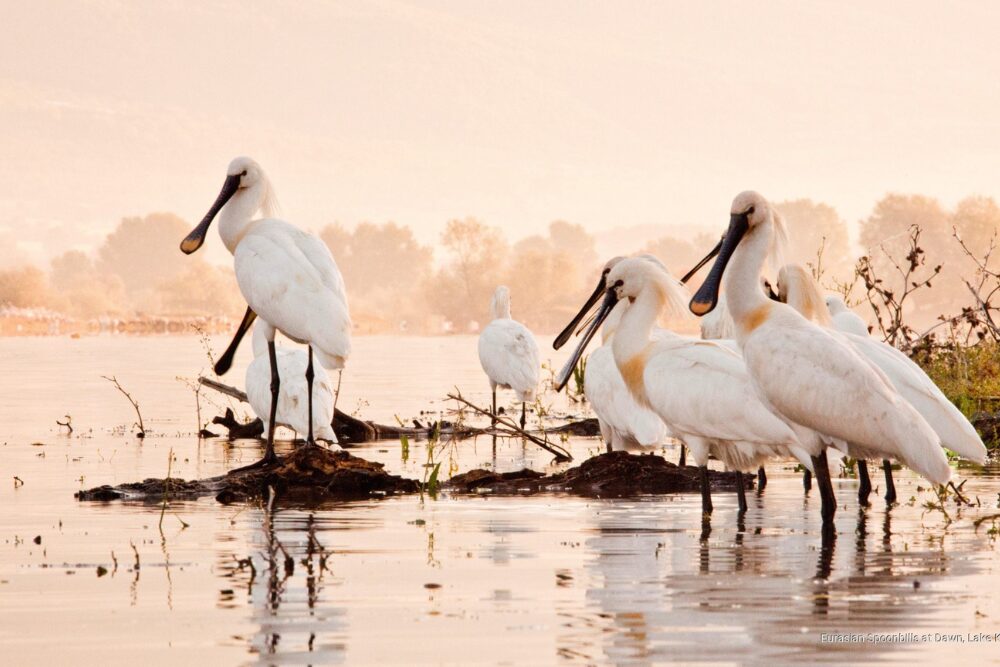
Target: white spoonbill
{"x": 293, "y": 408}
{"x": 807, "y": 374}
{"x": 509, "y": 354}
{"x": 700, "y": 389}
{"x": 287, "y": 276}
{"x": 845, "y": 319}
{"x": 797, "y": 288}
{"x": 625, "y": 425}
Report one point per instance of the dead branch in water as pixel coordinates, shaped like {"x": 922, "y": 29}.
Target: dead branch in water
{"x": 557, "y": 451}
{"x": 347, "y": 426}
{"x": 142, "y": 429}
{"x": 68, "y": 424}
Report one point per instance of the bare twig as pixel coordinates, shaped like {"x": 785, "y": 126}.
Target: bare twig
{"x": 67, "y": 424}
{"x": 557, "y": 451}
{"x": 142, "y": 428}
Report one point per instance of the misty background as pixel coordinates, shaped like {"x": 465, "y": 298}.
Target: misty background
{"x": 442, "y": 147}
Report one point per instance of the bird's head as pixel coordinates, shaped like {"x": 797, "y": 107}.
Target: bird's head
{"x": 243, "y": 173}
{"x": 749, "y": 211}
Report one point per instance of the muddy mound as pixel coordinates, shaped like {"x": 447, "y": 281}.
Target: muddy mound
{"x": 153, "y": 490}
{"x": 612, "y": 475}
{"x": 309, "y": 474}
{"x": 313, "y": 474}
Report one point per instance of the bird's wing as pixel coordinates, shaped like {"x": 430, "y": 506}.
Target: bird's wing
{"x": 611, "y": 401}
{"x": 850, "y": 322}
{"x": 910, "y": 380}
{"x": 815, "y": 379}
{"x": 284, "y": 288}
{"x": 701, "y": 388}
{"x": 509, "y": 355}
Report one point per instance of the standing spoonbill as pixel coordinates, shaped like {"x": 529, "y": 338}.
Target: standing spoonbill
{"x": 287, "y": 276}
{"x": 805, "y": 373}
{"x": 292, "y": 409}
{"x": 798, "y": 289}
{"x": 509, "y": 354}
{"x": 625, "y": 425}
{"x": 700, "y": 389}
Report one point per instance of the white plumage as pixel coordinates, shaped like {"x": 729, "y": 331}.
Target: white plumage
{"x": 508, "y": 352}
{"x": 912, "y": 383}
{"x": 806, "y": 373}
{"x": 625, "y": 425}
{"x": 845, "y": 319}
{"x": 699, "y": 388}
{"x": 288, "y": 277}
{"x": 718, "y": 324}
{"x": 292, "y": 407}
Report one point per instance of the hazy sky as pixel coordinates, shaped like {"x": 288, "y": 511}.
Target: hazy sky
{"x": 613, "y": 113}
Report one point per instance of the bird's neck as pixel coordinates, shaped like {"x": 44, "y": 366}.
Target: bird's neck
{"x": 741, "y": 282}
{"x": 237, "y": 214}
{"x": 630, "y": 344}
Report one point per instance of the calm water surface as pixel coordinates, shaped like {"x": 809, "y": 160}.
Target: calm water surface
{"x": 499, "y": 581}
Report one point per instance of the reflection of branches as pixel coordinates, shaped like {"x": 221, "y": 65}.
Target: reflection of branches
{"x": 114, "y": 381}
{"x": 886, "y": 302}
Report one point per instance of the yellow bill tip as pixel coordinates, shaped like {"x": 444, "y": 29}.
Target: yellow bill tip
{"x": 189, "y": 245}
{"x": 700, "y": 307}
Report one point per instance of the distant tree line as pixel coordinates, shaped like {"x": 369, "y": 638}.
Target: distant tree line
{"x": 395, "y": 283}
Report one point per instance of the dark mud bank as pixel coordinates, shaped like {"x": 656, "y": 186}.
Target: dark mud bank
{"x": 314, "y": 474}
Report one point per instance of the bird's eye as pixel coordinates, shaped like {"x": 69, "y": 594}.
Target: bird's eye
{"x": 750, "y": 211}
{"x": 243, "y": 173}
{"x": 618, "y": 283}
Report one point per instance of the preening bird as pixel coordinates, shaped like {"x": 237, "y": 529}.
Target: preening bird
{"x": 700, "y": 389}
{"x": 797, "y": 288}
{"x": 805, "y": 373}
{"x": 287, "y": 276}
{"x": 509, "y": 354}
{"x": 293, "y": 407}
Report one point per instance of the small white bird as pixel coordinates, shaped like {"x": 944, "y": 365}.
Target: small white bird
{"x": 292, "y": 405}
{"x": 804, "y": 372}
{"x": 700, "y": 389}
{"x": 797, "y": 288}
{"x": 845, "y": 319}
{"x": 509, "y": 354}
{"x": 287, "y": 276}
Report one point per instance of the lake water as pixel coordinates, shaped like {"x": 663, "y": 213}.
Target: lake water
{"x": 458, "y": 581}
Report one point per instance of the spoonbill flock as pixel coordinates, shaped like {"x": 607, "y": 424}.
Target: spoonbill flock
{"x": 789, "y": 374}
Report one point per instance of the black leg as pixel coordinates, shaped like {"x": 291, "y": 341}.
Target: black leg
{"x": 706, "y": 493}
{"x": 761, "y": 479}
{"x": 890, "y": 486}
{"x": 807, "y": 481}
{"x": 309, "y": 389}
{"x": 493, "y": 418}
{"x": 269, "y": 456}
{"x": 822, "y": 468}
{"x": 524, "y": 419}
{"x": 865, "y": 482}
{"x": 272, "y": 355}
{"x": 682, "y": 461}
{"x": 608, "y": 447}
{"x": 741, "y": 492}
